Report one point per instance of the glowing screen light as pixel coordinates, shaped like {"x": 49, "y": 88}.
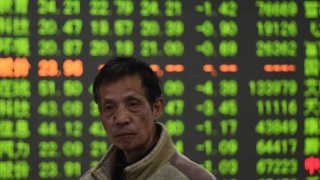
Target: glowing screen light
{"x": 240, "y": 82}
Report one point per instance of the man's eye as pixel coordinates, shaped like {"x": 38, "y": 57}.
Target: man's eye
{"x": 133, "y": 103}
{"x": 108, "y": 107}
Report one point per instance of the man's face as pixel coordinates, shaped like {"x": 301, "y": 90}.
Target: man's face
{"x": 127, "y": 115}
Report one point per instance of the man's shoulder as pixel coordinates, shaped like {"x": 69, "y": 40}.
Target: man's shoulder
{"x": 191, "y": 169}
{"x": 87, "y": 175}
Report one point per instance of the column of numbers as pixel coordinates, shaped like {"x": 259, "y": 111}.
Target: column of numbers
{"x": 15, "y": 90}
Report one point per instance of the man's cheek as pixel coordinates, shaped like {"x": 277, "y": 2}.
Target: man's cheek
{"x": 106, "y": 127}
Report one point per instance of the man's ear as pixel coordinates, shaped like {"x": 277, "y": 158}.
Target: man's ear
{"x": 157, "y": 108}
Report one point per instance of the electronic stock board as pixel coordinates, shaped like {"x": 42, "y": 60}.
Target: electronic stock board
{"x": 240, "y": 82}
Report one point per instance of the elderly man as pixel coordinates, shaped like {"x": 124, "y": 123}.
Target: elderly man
{"x": 129, "y": 99}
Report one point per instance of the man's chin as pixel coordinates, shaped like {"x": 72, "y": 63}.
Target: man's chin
{"x": 124, "y": 145}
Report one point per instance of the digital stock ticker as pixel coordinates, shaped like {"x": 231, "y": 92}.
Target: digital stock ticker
{"x": 240, "y": 81}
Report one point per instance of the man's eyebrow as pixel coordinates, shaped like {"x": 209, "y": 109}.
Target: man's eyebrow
{"x": 135, "y": 97}
{"x": 128, "y": 96}
{"x": 107, "y": 100}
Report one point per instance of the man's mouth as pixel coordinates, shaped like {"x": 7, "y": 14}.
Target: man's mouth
{"x": 124, "y": 134}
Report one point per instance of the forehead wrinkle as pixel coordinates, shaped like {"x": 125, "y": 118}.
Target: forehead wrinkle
{"x": 108, "y": 88}
{"x": 130, "y": 94}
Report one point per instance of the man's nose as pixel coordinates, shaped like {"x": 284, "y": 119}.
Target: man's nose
{"x": 121, "y": 117}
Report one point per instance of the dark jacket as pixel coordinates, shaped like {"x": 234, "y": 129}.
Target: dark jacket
{"x": 162, "y": 163}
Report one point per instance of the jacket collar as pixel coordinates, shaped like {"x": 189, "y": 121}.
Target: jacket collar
{"x": 159, "y": 155}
